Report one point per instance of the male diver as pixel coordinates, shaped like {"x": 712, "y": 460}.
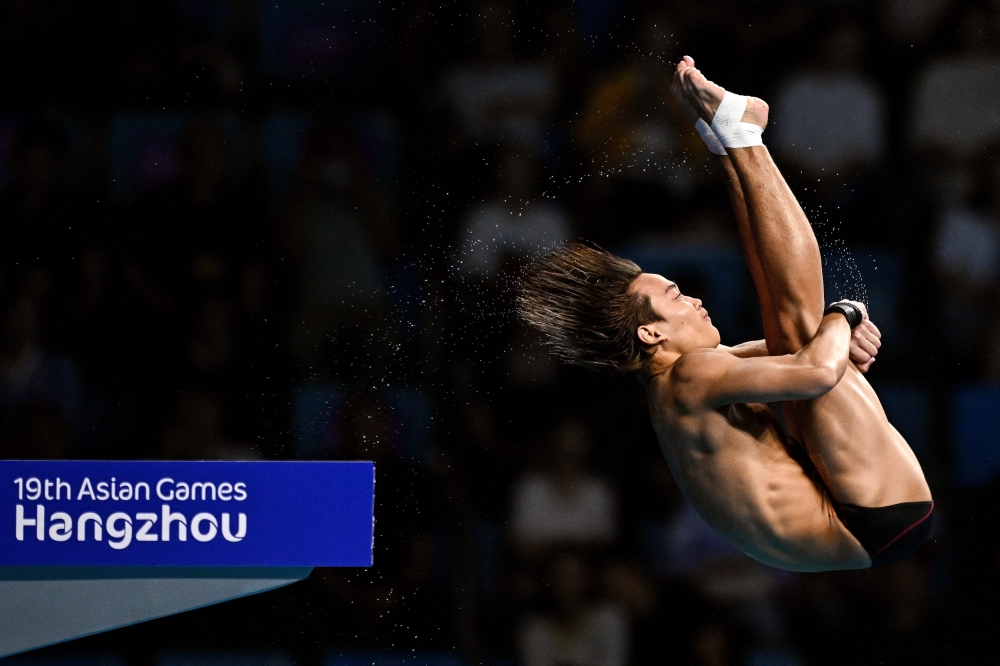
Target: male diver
{"x": 782, "y": 445}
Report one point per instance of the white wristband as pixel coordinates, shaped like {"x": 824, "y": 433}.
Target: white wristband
{"x": 708, "y": 136}
{"x": 727, "y": 126}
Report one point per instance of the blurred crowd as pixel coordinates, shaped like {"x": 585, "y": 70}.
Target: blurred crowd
{"x": 292, "y": 230}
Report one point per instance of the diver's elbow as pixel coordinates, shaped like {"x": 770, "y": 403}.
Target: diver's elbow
{"x": 825, "y": 378}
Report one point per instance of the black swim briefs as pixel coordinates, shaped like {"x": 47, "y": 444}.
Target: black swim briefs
{"x": 889, "y": 533}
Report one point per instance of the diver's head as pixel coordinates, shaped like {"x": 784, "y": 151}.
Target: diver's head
{"x": 684, "y": 324}
{"x": 601, "y": 311}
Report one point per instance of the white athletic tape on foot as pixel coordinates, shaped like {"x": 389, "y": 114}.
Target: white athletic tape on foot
{"x": 727, "y": 126}
{"x": 708, "y": 136}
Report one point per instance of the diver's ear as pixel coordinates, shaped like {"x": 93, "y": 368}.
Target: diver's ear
{"x": 649, "y": 335}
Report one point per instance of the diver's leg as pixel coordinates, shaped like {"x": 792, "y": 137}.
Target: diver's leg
{"x": 740, "y": 211}
{"x": 778, "y": 242}
{"x": 862, "y": 458}
{"x": 768, "y": 314}
{"x": 786, "y": 249}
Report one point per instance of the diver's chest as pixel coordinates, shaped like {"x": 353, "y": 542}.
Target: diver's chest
{"x": 752, "y": 418}
{"x": 727, "y": 430}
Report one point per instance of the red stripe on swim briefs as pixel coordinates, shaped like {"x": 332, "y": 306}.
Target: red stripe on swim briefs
{"x": 903, "y": 533}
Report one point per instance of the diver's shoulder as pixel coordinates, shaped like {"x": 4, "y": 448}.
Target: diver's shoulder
{"x": 683, "y": 384}
{"x": 699, "y": 364}
{"x": 671, "y": 390}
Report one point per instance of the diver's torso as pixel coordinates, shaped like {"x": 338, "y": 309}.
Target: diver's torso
{"x": 734, "y": 466}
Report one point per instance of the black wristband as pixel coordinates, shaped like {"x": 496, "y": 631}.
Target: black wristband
{"x": 849, "y": 310}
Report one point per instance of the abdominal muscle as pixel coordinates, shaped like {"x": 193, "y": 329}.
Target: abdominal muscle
{"x": 736, "y": 471}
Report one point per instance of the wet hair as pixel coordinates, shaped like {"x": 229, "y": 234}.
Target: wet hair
{"x": 579, "y": 296}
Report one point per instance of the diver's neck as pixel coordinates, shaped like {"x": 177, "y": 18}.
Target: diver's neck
{"x": 661, "y": 361}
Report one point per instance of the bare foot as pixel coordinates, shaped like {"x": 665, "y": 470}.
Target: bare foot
{"x": 677, "y": 89}
{"x": 699, "y": 97}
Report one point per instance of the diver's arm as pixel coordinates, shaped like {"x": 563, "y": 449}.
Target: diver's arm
{"x": 865, "y": 343}
{"x": 710, "y": 379}
{"x": 746, "y": 349}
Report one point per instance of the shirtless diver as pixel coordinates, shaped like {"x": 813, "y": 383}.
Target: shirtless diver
{"x": 781, "y": 445}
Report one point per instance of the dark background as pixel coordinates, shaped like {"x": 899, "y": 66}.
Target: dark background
{"x": 290, "y": 229}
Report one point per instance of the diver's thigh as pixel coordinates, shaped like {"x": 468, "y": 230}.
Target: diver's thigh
{"x": 861, "y": 457}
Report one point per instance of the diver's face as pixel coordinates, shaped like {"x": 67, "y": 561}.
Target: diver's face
{"x": 686, "y": 324}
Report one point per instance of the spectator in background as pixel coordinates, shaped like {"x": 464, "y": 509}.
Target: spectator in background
{"x": 40, "y": 391}
{"x": 966, "y": 258}
{"x": 199, "y": 235}
{"x": 225, "y": 356}
{"x": 53, "y": 230}
{"x": 965, "y": 249}
{"x": 91, "y": 330}
{"x": 195, "y": 249}
{"x": 485, "y": 458}
{"x": 906, "y": 595}
{"x": 684, "y": 549}
{"x": 37, "y": 210}
{"x": 965, "y": 240}
{"x": 912, "y": 22}
{"x": 629, "y": 125}
{"x": 644, "y": 159}
{"x": 576, "y": 630}
{"x": 940, "y": 116}
{"x": 563, "y": 504}
{"x": 196, "y": 431}
{"x": 188, "y": 48}
{"x": 830, "y": 119}
{"x": 712, "y": 645}
{"x": 629, "y": 587}
{"x": 341, "y": 240}
{"x": 212, "y": 349}
{"x": 57, "y": 53}
{"x": 211, "y": 67}
{"x": 39, "y": 431}
{"x": 495, "y": 238}
{"x": 566, "y": 49}
{"x": 527, "y": 360}
{"x": 512, "y": 224}
{"x": 497, "y": 96}
{"x": 395, "y": 600}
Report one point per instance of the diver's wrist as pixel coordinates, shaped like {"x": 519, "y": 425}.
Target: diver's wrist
{"x": 849, "y": 310}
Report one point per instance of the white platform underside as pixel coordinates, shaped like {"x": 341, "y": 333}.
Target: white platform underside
{"x": 35, "y": 613}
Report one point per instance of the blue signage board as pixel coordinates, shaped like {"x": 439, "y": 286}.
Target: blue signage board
{"x": 186, "y": 514}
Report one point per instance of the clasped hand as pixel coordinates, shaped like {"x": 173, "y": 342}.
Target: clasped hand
{"x": 865, "y": 340}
